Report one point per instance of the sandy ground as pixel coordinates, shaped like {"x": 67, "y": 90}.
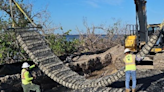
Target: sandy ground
{"x": 108, "y": 70}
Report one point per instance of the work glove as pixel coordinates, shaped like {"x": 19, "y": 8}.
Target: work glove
{"x": 34, "y": 77}
{"x": 142, "y": 58}
{"x": 37, "y": 64}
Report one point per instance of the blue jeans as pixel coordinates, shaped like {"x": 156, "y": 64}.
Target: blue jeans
{"x": 128, "y": 74}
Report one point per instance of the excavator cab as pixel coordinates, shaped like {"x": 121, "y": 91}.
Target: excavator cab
{"x": 153, "y": 28}
{"x": 133, "y": 35}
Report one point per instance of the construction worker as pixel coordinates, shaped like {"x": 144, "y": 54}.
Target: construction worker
{"x": 27, "y": 79}
{"x": 130, "y": 69}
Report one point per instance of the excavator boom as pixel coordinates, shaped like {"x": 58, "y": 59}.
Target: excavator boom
{"x": 141, "y": 20}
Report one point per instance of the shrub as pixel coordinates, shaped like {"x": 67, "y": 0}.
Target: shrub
{"x": 60, "y": 45}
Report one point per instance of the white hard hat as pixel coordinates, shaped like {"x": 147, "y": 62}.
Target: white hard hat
{"x": 126, "y": 50}
{"x": 25, "y": 65}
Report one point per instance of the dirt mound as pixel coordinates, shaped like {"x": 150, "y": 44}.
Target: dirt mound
{"x": 97, "y": 65}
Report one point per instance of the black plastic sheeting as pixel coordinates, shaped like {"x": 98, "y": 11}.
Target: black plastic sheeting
{"x": 10, "y": 69}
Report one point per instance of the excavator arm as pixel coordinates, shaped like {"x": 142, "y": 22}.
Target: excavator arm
{"x": 141, "y": 20}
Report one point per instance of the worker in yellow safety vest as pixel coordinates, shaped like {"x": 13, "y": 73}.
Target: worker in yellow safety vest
{"x": 27, "y": 79}
{"x": 130, "y": 69}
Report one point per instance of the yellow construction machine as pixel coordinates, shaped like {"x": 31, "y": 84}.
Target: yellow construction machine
{"x": 138, "y": 35}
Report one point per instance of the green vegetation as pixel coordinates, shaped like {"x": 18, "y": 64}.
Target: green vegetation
{"x": 60, "y": 45}
{"x": 5, "y": 47}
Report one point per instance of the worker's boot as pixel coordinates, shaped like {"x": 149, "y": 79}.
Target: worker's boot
{"x": 133, "y": 90}
{"x": 127, "y": 90}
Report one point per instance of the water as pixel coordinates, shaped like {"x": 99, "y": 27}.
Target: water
{"x": 71, "y": 37}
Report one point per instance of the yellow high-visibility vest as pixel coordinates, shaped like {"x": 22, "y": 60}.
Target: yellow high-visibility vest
{"x": 25, "y": 76}
{"x": 129, "y": 62}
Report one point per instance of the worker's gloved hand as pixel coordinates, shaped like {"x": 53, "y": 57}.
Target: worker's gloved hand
{"x": 37, "y": 64}
{"x": 142, "y": 58}
{"x": 34, "y": 77}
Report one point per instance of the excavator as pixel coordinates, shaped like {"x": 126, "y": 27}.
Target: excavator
{"x": 139, "y": 34}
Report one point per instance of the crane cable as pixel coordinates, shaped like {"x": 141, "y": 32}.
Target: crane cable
{"x": 24, "y": 13}
{"x": 18, "y": 6}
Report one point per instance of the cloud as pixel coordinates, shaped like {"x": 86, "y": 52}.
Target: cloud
{"x": 112, "y": 2}
{"x": 92, "y": 3}
{"x": 97, "y": 3}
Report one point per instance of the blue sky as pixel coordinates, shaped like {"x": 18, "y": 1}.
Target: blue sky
{"x": 70, "y": 13}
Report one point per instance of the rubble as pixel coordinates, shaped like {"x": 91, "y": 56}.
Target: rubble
{"x": 158, "y": 61}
